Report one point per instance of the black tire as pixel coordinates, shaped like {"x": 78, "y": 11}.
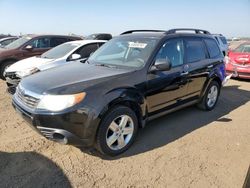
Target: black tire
{"x": 3, "y": 67}
{"x": 203, "y": 104}
{"x": 113, "y": 114}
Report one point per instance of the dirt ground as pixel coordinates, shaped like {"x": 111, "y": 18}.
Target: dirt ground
{"x": 189, "y": 148}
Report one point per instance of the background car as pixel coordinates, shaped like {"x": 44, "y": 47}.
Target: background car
{"x": 28, "y": 46}
{"x": 222, "y": 41}
{"x": 99, "y": 36}
{"x": 6, "y": 41}
{"x": 64, "y": 53}
{"x": 239, "y": 61}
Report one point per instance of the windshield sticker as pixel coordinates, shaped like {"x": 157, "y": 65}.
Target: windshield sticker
{"x": 137, "y": 45}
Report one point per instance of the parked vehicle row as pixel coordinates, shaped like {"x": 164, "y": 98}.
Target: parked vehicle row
{"x": 6, "y": 41}
{"x": 28, "y": 46}
{"x": 65, "y": 53}
{"x": 140, "y": 75}
{"x": 238, "y": 61}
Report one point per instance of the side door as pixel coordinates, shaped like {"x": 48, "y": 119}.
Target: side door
{"x": 38, "y": 46}
{"x": 198, "y": 64}
{"x": 165, "y": 89}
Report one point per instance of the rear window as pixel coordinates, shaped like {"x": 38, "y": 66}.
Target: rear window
{"x": 195, "y": 50}
{"x": 213, "y": 49}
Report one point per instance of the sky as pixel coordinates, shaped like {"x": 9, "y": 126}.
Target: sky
{"x": 83, "y": 17}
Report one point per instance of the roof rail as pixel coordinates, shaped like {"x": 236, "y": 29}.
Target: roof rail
{"x": 197, "y": 31}
{"x": 134, "y": 31}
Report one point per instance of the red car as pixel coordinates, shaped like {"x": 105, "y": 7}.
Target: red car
{"x": 239, "y": 61}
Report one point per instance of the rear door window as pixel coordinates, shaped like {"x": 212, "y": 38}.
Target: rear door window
{"x": 195, "y": 50}
{"x": 55, "y": 41}
{"x": 213, "y": 48}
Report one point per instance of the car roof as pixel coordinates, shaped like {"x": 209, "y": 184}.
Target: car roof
{"x": 49, "y": 35}
{"x": 6, "y": 38}
{"x": 218, "y": 35}
{"x": 179, "y": 32}
{"x": 82, "y": 42}
{"x": 159, "y": 35}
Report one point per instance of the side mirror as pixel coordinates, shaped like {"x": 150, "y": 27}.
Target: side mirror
{"x": 75, "y": 56}
{"x": 161, "y": 65}
{"x": 29, "y": 47}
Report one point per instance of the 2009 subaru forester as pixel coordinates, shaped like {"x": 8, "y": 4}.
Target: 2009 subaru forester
{"x": 138, "y": 76}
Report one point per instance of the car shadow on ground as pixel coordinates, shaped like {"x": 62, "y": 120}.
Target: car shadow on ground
{"x": 29, "y": 169}
{"x": 173, "y": 126}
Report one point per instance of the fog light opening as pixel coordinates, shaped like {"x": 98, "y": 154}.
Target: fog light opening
{"x": 60, "y": 138}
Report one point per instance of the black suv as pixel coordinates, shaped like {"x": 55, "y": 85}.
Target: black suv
{"x": 133, "y": 78}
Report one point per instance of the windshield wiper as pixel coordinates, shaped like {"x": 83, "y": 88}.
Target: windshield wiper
{"x": 105, "y": 65}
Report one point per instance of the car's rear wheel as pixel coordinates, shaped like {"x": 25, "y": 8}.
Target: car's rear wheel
{"x": 211, "y": 96}
{"x": 3, "y": 67}
{"x": 117, "y": 131}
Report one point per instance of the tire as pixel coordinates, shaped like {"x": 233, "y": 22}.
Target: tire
{"x": 4, "y": 66}
{"x": 209, "y": 100}
{"x": 113, "y": 130}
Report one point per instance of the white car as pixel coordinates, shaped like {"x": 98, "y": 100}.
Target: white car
{"x": 62, "y": 54}
{"x": 222, "y": 41}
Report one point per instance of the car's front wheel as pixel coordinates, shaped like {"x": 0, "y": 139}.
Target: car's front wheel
{"x": 117, "y": 131}
{"x": 211, "y": 96}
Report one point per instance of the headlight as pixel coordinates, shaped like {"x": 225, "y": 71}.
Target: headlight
{"x": 60, "y": 102}
{"x": 27, "y": 72}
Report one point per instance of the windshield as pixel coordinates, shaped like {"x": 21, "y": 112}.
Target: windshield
{"x": 124, "y": 52}
{"x": 59, "y": 51}
{"x": 17, "y": 43}
{"x": 243, "y": 48}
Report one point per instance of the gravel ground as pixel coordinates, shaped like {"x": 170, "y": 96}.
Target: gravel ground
{"x": 189, "y": 148}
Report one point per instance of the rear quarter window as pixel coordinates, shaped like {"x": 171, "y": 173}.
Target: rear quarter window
{"x": 57, "y": 41}
{"x": 213, "y": 48}
{"x": 195, "y": 50}
{"x": 224, "y": 40}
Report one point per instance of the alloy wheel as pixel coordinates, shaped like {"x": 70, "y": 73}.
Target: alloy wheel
{"x": 212, "y": 96}
{"x": 120, "y": 132}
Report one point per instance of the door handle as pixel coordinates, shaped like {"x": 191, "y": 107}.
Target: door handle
{"x": 184, "y": 73}
{"x": 210, "y": 66}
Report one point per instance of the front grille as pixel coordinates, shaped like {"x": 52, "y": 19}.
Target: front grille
{"x": 12, "y": 75}
{"x": 26, "y": 99}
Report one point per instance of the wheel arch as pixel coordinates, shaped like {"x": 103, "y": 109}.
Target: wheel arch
{"x": 129, "y": 97}
{"x": 216, "y": 78}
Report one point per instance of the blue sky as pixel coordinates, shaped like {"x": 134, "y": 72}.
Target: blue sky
{"x": 229, "y": 17}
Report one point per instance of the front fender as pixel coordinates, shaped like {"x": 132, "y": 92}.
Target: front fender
{"x": 122, "y": 95}
{"x": 218, "y": 74}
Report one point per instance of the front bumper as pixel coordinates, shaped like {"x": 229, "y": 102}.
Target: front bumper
{"x": 239, "y": 71}
{"x": 12, "y": 81}
{"x": 76, "y": 128}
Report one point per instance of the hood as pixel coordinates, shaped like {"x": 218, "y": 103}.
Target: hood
{"x": 240, "y": 58}
{"x": 28, "y": 63}
{"x": 70, "y": 78}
